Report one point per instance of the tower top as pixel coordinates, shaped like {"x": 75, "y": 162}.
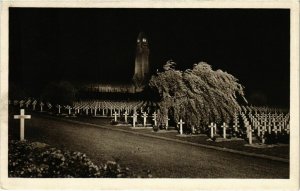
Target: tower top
{"x": 142, "y": 38}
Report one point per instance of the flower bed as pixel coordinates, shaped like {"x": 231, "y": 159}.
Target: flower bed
{"x": 27, "y": 159}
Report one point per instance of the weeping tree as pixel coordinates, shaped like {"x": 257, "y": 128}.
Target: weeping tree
{"x": 198, "y": 96}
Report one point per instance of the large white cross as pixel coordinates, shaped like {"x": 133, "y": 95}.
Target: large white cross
{"x": 22, "y": 118}
{"x": 180, "y": 125}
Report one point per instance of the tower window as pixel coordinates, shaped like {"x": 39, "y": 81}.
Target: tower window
{"x": 138, "y": 40}
{"x": 144, "y": 40}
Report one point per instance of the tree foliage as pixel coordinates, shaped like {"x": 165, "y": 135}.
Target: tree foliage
{"x": 199, "y": 95}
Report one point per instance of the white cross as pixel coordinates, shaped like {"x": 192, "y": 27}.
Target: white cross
{"x": 247, "y": 127}
{"x": 145, "y": 118}
{"x": 154, "y": 115}
{"x": 250, "y": 133}
{"x": 41, "y": 105}
{"x": 180, "y": 125}
{"x": 21, "y": 103}
{"x": 167, "y": 122}
{"x": 125, "y": 114}
{"x": 69, "y": 108}
{"x": 288, "y": 128}
{"x": 16, "y": 102}
{"x": 224, "y": 126}
{"x": 33, "y": 104}
{"x": 27, "y": 103}
{"x": 134, "y": 116}
{"x": 111, "y": 111}
{"x": 235, "y": 126}
{"x": 269, "y": 125}
{"x": 275, "y": 130}
{"x": 258, "y": 128}
{"x": 263, "y": 135}
{"x": 22, "y": 118}
{"x": 211, "y": 126}
{"x": 280, "y": 125}
{"x": 59, "y": 107}
{"x": 95, "y": 111}
{"x": 115, "y": 114}
{"x": 49, "y": 105}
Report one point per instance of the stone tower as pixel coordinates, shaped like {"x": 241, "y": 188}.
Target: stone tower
{"x": 141, "y": 70}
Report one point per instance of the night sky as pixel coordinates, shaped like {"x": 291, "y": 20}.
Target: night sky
{"x": 98, "y": 45}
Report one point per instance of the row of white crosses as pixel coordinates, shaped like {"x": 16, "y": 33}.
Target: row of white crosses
{"x": 263, "y": 122}
{"x": 107, "y": 107}
{"x": 29, "y": 102}
{"x": 213, "y": 129}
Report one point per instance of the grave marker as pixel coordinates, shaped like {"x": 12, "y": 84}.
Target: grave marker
{"x": 180, "y": 126}
{"x": 69, "y": 109}
{"x": 22, "y": 118}
{"x": 115, "y": 115}
{"x": 212, "y": 127}
{"x": 49, "y": 105}
{"x": 167, "y": 122}
{"x": 250, "y": 134}
{"x": 59, "y": 107}
{"x": 269, "y": 126}
{"x": 263, "y": 131}
{"x": 21, "y": 103}
{"x": 145, "y": 115}
{"x": 41, "y": 106}
{"x": 154, "y": 115}
{"x": 126, "y": 114}
{"x": 134, "y": 117}
{"x": 16, "y": 102}
{"x": 33, "y": 105}
{"x": 224, "y": 126}
{"x": 275, "y": 130}
{"x": 95, "y": 111}
{"x": 28, "y": 103}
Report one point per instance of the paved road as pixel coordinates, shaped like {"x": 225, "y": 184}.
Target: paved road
{"x": 164, "y": 158}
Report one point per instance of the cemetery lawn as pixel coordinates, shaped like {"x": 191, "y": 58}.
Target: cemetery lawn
{"x": 163, "y": 158}
{"x": 281, "y": 151}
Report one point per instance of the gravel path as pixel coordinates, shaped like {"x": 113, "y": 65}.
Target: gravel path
{"x": 164, "y": 158}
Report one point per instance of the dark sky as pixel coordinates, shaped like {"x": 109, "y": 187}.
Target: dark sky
{"x": 47, "y": 44}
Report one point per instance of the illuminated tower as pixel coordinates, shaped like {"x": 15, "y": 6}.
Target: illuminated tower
{"x": 141, "y": 70}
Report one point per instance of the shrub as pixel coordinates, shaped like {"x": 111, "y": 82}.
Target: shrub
{"x": 40, "y": 160}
